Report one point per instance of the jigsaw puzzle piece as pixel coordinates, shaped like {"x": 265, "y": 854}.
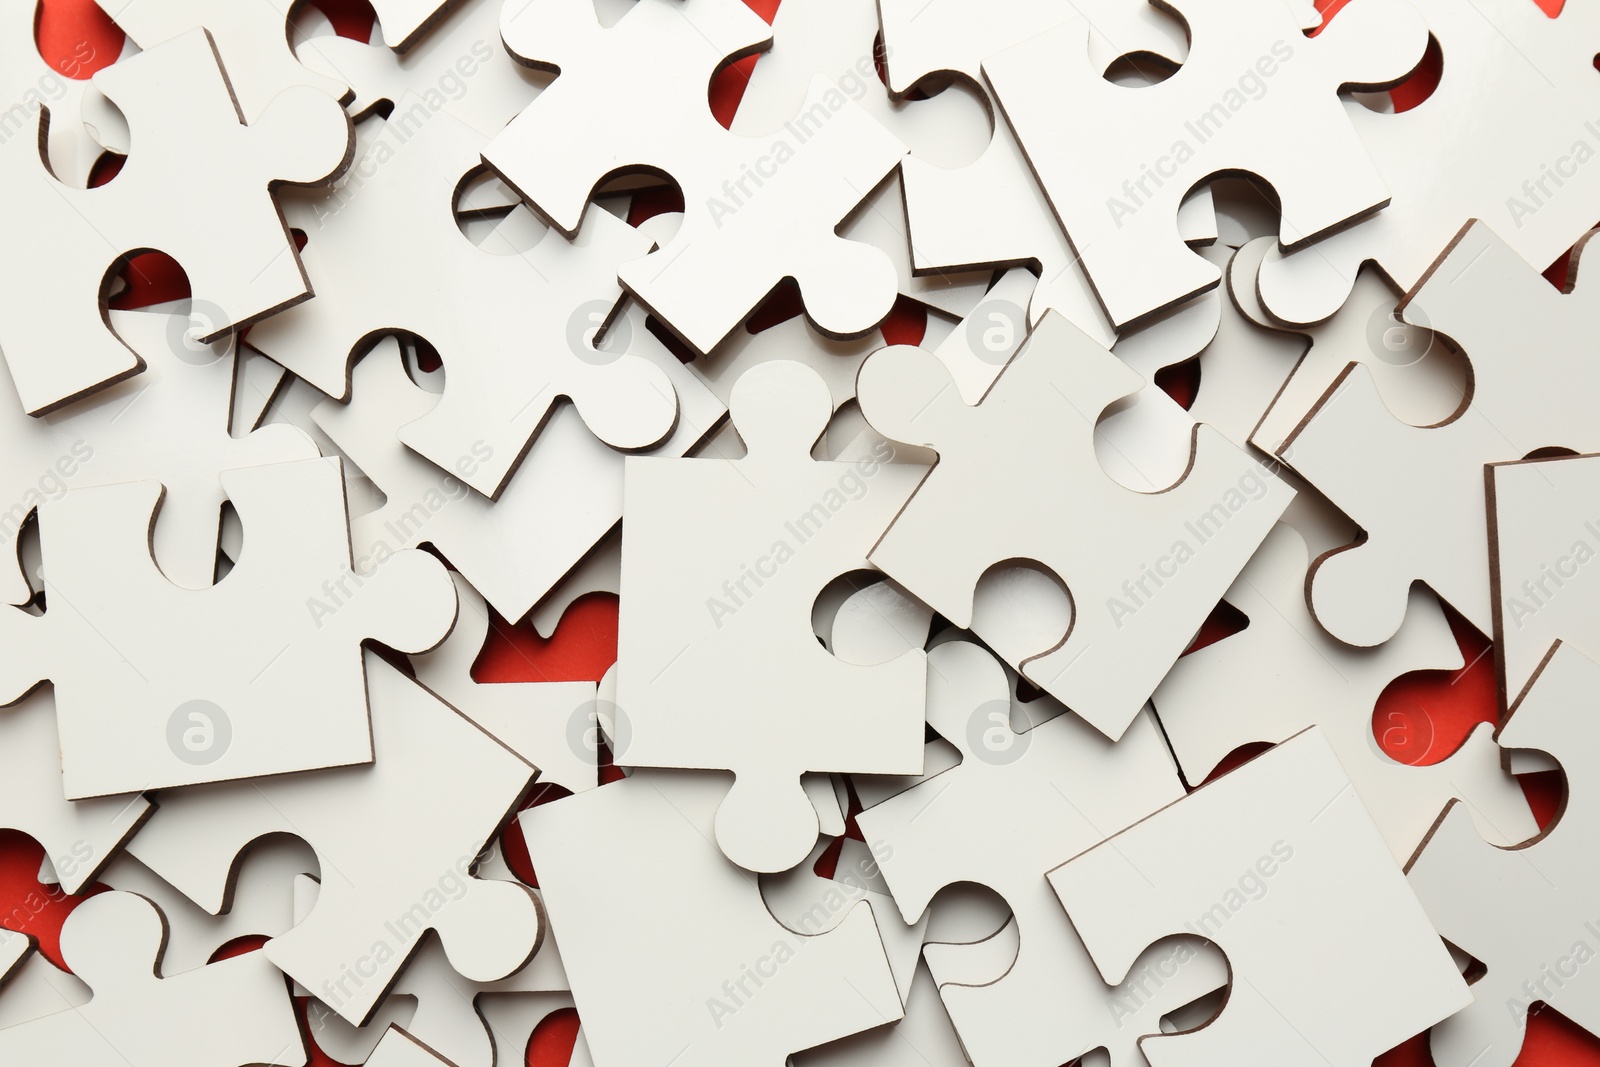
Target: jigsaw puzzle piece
{"x": 1419, "y": 492}
{"x": 28, "y": 83}
{"x": 256, "y": 675}
{"x": 713, "y": 614}
{"x": 1282, "y": 843}
{"x": 449, "y": 784}
{"x": 261, "y": 904}
{"x": 1416, "y": 492}
{"x": 169, "y": 423}
{"x": 1143, "y": 572}
{"x": 517, "y": 332}
{"x": 1422, "y": 381}
{"x": 1542, "y": 518}
{"x": 233, "y": 1012}
{"x": 1303, "y": 678}
{"x": 536, "y": 720}
{"x": 760, "y": 209}
{"x": 743, "y": 989}
{"x": 1525, "y": 911}
{"x": 835, "y": 38}
{"x": 561, "y": 499}
{"x": 1521, "y": 170}
{"x": 251, "y": 38}
{"x": 178, "y": 103}
{"x": 1116, "y": 165}
{"x": 432, "y": 1001}
{"x": 1039, "y": 1003}
{"x": 459, "y": 65}
{"x": 991, "y": 212}
{"x": 79, "y": 837}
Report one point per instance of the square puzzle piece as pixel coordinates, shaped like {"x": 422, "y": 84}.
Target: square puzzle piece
{"x": 160, "y": 686}
{"x": 1017, "y": 480}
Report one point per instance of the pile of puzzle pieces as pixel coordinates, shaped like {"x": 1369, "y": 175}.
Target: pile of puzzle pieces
{"x": 531, "y": 520}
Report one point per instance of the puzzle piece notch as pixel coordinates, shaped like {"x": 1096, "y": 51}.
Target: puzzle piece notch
{"x": 1529, "y": 118}
{"x": 761, "y": 209}
{"x": 1418, "y": 492}
{"x": 1098, "y": 178}
{"x": 1525, "y": 911}
{"x": 234, "y": 1011}
{"x": 520, "y": 343}
{"x": 179, "y": 106}
{"x": 1037, "y": 1001}
{"x": 662, "y": 891}
{"x": 370, "y": 920}
{"x": 170, "y": 700}
{"x": 258, "y": 73}
{"x": 1301, "y": 678}
{"x": 1045, "y": 405}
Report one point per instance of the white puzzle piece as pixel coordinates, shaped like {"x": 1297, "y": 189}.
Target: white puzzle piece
{"x": 251, "y": 39}
{"x": 437, "y": 775}
{"x": 32, "y": 987}
{"x": 158, "y": 686}
{"x": 760, "y": 209}
{"x": 536, "y": 720}
{"x": 1542, "y": 520}
{"x": 444, "y": 1005}
{"x": 1143, "y": 572}
{"x": 1299, "y": 677}
{"x": 1421, "y": 379}
{"x": 1418, "y": 492}
{"x": 169, "y": 423}
{"x": 230, "y": 1014}
{"x": 28, "y": 83}
{"x": 836, "y": 38}
{"x": 1283, "y": 843}
{"x": 564, "y": 495}
{"x": 1043, "y": 1003}
{"x": 79, "y": 837}
{"x": 225, "y": 231}
{"x": 1526, "y": 911}
{"x": 516, "y": 334}
{"x": 460, "y": 67}
{"x": 716, "y": 619}
{"x": 713, "y": 979}
{"x": 1116, "y": 165}
{"x": 992, "y": 212}
{"x": 261, "y": 905}
{"x": 1521, "y": 170}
